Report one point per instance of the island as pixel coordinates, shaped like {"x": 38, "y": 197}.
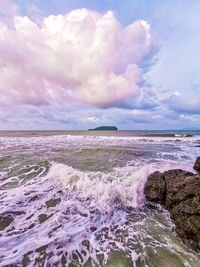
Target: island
{"x": 104, "y": 128}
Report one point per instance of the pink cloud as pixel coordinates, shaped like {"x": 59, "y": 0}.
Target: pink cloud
{"x": 8, "y": 10}
{"x": 83, "y": 56}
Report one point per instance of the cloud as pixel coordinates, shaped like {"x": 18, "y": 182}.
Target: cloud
{"x": 8, "y": 10}
{"x": 184, "y": 104}
{"x": 81, "y": 56}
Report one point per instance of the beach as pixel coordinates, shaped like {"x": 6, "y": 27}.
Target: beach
{"x": 75, "y": 198}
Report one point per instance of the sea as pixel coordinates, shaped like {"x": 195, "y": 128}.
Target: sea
{"x": 75, "y": 198}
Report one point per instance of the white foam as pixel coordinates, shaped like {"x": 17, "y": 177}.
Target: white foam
{"x": 88, "y": 199}
{"x": 123, "y": 185}
{"x": 111, "y": 203}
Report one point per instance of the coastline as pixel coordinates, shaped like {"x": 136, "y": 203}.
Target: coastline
{"x": 125, "y": 133}
{"x": 178, "y": 191}
{"x": 74, "y": 190}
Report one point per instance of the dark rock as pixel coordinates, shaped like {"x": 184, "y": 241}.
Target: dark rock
{"x": 177, "y": 186}
{"x": 179, "y": 192}
{"x": 155, "y": 188}
{"x": 197, "y": 165}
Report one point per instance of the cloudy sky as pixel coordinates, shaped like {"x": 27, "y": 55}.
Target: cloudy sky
{"x": 78, "y": 64}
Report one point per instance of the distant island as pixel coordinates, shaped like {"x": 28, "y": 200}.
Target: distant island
{"x": 104, "y": 128}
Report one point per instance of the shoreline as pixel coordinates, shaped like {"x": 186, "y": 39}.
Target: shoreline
{"x": 118, "y": 133}
{"x": 178, "y": 191}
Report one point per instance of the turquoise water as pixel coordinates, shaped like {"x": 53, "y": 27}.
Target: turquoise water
{"x": 75, "y": 198}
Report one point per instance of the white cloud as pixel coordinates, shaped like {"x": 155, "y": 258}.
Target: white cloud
{"x": 83, "y": 56}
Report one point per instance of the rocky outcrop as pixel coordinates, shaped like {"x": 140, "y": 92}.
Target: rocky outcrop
{"x": 179, "y": 192}
{"x": 197, "y": 165}
{"x": 155, "y": 188}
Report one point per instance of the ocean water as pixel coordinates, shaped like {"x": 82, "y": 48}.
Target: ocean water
{"x": 76, "y": 198}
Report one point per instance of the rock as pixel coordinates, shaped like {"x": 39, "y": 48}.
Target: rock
{"x": 177, "y": 187}
{"x": 179, "y": 192}
{"x": 197, "y": 165}
{"x": 155, "y": 188}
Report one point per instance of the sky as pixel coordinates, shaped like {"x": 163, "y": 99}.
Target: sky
{"x": 79, "y": 64}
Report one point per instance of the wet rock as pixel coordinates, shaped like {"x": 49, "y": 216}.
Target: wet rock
{"x": 197, "y": 165}
{"x": 155, "y": 188}
{"x": 179, "y": 192}
{"x": 179, "y": 186}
